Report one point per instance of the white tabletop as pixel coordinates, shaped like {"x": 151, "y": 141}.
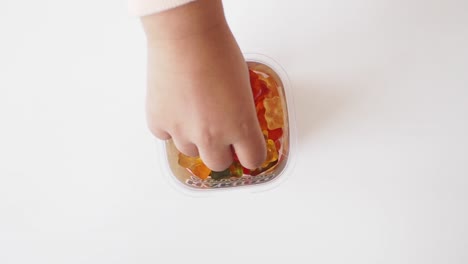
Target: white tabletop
{"x": 381, "y": 171}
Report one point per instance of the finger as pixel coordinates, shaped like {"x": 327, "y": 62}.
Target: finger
{"x": 186, "y": 147}
{"x": 251, "y": 150}
{"x": 161, "y": 134}
{"x": 216, "y": 158}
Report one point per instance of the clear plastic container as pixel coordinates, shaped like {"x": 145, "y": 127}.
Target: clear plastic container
{"x": 186, "y": 182}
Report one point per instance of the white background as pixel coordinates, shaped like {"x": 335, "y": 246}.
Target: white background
{"x": 381, "y": 91}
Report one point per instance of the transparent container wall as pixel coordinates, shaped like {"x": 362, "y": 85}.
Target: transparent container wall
{"x": 187, "y": 179}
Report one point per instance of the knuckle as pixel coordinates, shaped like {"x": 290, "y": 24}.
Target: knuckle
{"x": 248, "y": 130}
{"x": 208, "y": 137}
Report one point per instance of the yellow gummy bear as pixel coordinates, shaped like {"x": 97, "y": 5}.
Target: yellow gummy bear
{"x": 272, "y": 153}
{"x": 273, "y": 112}
{"x": 272, "y": 86}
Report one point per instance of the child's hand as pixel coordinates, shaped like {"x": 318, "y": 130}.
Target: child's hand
{"x": 198, "y": 87}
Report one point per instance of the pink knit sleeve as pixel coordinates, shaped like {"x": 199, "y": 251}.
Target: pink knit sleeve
{"x": 146, "y": 7}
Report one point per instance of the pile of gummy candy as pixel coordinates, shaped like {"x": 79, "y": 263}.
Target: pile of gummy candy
{"x": 271, "y": 119}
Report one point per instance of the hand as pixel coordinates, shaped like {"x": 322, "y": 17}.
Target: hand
{"x": 198, "y": 87}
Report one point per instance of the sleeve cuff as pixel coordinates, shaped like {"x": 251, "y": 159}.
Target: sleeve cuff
{"x": 147, "y": 7}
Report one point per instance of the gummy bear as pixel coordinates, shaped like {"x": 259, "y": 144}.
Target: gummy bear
{"x": 261, "y": 116}
{"x": 265, "y": 168}
{"x": 236, "y": 169}
{"x": 187, "y": 161}
{"x": 254, "y": 82}
{"x": 275, "y": 134}
{"x": 272, "y": 153}
{"x": 278, "y": 144}
{"x": 218, "y": 175}
{"x": 259, "y": 87}
{"x": 200, "y": 170}
{"x": 253, "y": 76}
{"x": 272, "y": 86}
{"x": 263, "y": 91}
{"x": 195, "y": 165}
{"x": 273, "y": 112}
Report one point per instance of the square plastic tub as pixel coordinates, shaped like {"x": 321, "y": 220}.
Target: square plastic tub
{"x": 185, "y": 181}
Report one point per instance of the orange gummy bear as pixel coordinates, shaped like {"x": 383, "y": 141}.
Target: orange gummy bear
{"x": 200, "y": 170}
{"x": 187, "y": 161}
{"x": 195, "y": 165}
